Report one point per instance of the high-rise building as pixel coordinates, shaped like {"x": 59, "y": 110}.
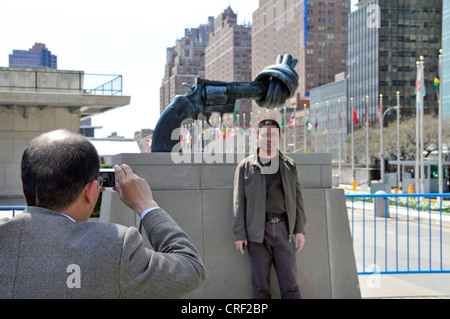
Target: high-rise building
{"x": 185, "y": 62}
{"x": 36, "y": 57}
{"x": 229, "y": 55}
{"x": 314, "y": 32}
{"x": 445, "y": 77}
{"x": 385, "y": 40}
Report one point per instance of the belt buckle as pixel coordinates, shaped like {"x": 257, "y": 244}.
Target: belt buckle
{"x": 274, "y": 220}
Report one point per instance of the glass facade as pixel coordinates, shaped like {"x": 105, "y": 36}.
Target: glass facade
{"x": 37, "y": 57}
{"x": 386, "y": 38}
{"x": 328, "y": 111}
{"x": 363, "y": 61}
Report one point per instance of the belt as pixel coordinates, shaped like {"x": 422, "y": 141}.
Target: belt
{"x": 275, "y": 218}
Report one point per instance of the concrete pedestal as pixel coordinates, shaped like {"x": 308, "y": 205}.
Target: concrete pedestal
{"x": 199, "y": 197}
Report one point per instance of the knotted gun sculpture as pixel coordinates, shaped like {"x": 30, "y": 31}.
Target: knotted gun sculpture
{"x": 271, "y": 88}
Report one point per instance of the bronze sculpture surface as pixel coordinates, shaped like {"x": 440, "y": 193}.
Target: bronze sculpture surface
{"x": 271, "y": 88}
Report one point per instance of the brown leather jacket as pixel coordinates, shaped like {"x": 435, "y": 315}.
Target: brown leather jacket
{"x": 249, "y": 199}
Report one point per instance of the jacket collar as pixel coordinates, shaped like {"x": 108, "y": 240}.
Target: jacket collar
{"x": 41, "y": 210}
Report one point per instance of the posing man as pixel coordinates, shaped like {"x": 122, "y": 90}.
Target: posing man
{"x": 268, "y": 213}
{"x": 50, "y": 251}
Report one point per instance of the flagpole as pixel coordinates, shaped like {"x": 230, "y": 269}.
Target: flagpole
{"x": 353, "y": 144}
{"x": 328, "y": 119}
{"x": 380, "y": 111}
{"x": 416, "y": 171}
{"x": 315, "y": 129}
{"x": 440, "y": 170}
{"x": 398, "y": 140}
{"x": 422, "y": 168}
{"x": 295, "y": 124}
{"x": 339, "y": 138}
{"x": 284, "y": 128}
{"x": 367, "y": 140}
{"x": 305, "y": 131}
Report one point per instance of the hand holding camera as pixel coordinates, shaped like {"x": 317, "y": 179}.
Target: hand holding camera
{"x": 133, "y": 190}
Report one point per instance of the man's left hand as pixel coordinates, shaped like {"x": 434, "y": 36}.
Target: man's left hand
{"x": 299, "y": 241}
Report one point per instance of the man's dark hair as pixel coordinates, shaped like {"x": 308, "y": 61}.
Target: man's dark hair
{"x": 267, "y": 123}
{"x": 55, "y": 168}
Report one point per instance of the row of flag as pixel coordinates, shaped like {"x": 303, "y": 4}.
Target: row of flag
{"x": 190, "y": 136}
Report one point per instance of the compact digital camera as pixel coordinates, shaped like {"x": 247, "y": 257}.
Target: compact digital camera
{"x": 109, "y": 177}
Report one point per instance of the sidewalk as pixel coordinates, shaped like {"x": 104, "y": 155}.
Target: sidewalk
{"x": 405, "y": 286}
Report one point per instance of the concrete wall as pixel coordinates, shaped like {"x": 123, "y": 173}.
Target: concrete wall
{"x": 40, "y": 80}
{"x": 199, "y": 197}
{"x": 15, "y": 133}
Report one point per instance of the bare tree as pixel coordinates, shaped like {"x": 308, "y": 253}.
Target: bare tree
{"x": 407, "y": 139}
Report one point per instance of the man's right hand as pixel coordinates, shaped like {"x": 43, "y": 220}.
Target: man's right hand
{"x": 240, "y": 245}
{"x": 134, "y": 191}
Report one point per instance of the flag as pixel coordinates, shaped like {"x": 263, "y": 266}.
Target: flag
{"x": 420, "y": 87}
{"x": 339, "y": 121}
{"x": 308, "y": 124}
{"x": 291, "y": 122}
{"x": 355, "y": 118}
{"x": 437, "y": 83}
{"x": 367, "y": 121}
{"x": 379, "y": 113}
{"x": 317, "y": 120}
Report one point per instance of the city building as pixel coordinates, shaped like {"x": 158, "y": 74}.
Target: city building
{"x": 36, "y": 57}
{"x": 87, "y": 129}
{"x": 228, "y": 56}
{"x": 144, "y": 139}
{"x": 328, "y": 118}
{"x": 445, "y": 77}
{"x": 385, "y": 40}
{"x": 314, "y": 32}
{"x": 185, "y": 62}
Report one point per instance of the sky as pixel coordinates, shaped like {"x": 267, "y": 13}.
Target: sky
{"x": 129, "y": 38}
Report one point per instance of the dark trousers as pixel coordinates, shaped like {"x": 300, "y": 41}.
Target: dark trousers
{"x": 276, "y": 249}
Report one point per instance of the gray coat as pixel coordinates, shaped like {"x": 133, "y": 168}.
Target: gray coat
{"x": 39, "y": 248}
{"x": 249, "y": 199}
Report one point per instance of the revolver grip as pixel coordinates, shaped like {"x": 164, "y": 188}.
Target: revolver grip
{"x": 179, "y": 110}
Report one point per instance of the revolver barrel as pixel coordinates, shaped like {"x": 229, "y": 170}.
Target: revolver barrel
{"x": 223, "y": 93}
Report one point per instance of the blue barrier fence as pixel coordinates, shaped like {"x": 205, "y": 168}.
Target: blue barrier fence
{"x": 400, "y": 233}
{"x": 391, "y": 233}
{"x": 10, "y": 211}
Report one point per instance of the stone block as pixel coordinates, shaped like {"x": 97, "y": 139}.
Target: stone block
{"x": 199, "y": 198}
{"x": 6, "y": 147}
{"x": 170, "y": 176}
